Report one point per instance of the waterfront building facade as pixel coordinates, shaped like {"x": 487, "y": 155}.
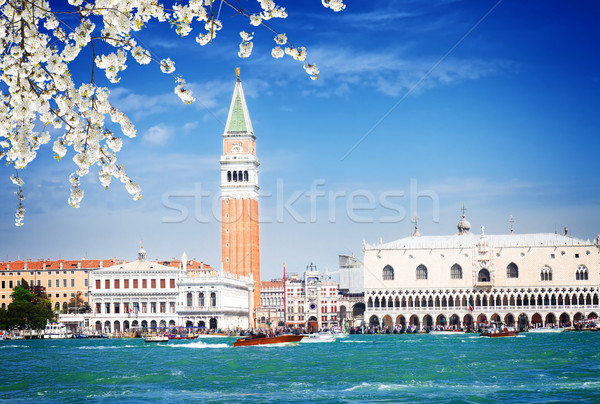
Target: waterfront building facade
{"x": 312, "y": 301}
{"x": 146, "y": 294}
{"x": 214, "y": 299}
{"x": 62, "y": 279}
{"x": 239, "y": 195}
{"x": 271, "y": 304}
{"x": 463, "y": 280}
{"x": 351, "y": 272}
{"x": 352, "y": 292}
{"x": 137, "y": 294}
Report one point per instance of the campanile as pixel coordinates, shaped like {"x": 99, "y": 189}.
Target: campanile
{"x": 239, "y": 194}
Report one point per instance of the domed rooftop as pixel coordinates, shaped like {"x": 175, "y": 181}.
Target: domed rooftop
{"x": 463, "y": 225}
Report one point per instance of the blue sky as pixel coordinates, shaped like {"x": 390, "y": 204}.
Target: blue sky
{"x": 507, "y": 123}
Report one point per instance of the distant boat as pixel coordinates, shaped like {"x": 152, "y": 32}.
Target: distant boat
{"x": 156, "y": 338}
{"x": 57, "y": 331}
{"x": 318, "y": 337}
{"x": 499, "y": 330}
{"x": 546, "y": 329}
{"x": 447, "y": 332}
{"x": 262, "y": 339}
{"x": 183, "y": 336}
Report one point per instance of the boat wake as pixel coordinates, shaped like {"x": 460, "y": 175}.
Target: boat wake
{"x": 106, "y": 347}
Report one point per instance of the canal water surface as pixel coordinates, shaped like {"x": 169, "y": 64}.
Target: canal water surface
{"x": 360, "y": 368}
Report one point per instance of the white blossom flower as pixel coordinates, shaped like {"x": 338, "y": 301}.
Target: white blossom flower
{"x": 297, "y": 53}
{"x": 183, "y": 93}
{"x": 167, "y": 66}
{"x": 277, "y": 52}
{"x": 134, "y": 189}
{"x": 141, "y": 55}
{"x": 312, "y": 70}
{"x": 255, "y": 19}
{"x": 17, "y": 180}
{"x": 335, "y": 5}
{"x": 59, "y": 148}
{"x": 246, "y": 45}
{"x": 281, "y": 39}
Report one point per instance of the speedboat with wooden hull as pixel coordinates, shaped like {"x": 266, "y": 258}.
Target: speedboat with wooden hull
{"x": 262, "y": 339}
{"x": 499, "y": 330}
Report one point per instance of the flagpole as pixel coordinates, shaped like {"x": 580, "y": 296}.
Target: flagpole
{"x": 284, "y": 300}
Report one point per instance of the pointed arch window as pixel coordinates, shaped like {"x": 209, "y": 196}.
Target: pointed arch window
{"x": 189, "y": 300}
{"x": 213, "y": 299}
{"x": 388, "y": 273}
{"x": 582, "y": 273}
{"x": 512, "y": 270}
{"x": 421, "y": 272}
{"x": 456, "y": 272}
{"x": 546, "y": 274}
{"x": 246, "y": 175}
{"x": 235, "y": 178}
{"x": 484, "y": 276}
{"x": 228, "y": 176}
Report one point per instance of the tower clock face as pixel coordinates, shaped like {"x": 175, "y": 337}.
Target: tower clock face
{"x": 312, "y": 306}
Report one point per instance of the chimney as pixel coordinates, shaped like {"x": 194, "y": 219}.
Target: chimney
{"x": 8, "y": 266}
{"x": 79, "y": 265}
{"x": 101, "y": 263}
{"x": 60, "y": 266}
{"x": 25, "y": 266}
{"x": 566, "y": 231}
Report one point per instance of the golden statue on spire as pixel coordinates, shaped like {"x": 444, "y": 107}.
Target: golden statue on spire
{"x": 237, "y": 72}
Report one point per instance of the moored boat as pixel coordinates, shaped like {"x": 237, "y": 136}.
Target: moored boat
{"x": 447, "y": 332}
{"x": 262, "y": 339}
{"x": 156, "y": 338}
{"x": 318, "y": 337}
{"x": 57, "y": 331}
{"x": 183, "y": 336}
{"x": 546, "y": 329}
{"x": 499, "y": 330}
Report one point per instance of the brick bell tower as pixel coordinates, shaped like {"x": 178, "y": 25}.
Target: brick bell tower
{"x": 239, "y": 194}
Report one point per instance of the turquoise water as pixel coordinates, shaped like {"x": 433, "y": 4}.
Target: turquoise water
{"x": 362, "y": 368}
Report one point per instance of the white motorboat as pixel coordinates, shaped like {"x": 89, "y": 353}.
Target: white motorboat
{"x": 447, "y": 332}
{"x": 57, "y": 331}
{"x": 546, "y": 329}
{"x": 318, "y": 337}
{"x": 156, "y": 338}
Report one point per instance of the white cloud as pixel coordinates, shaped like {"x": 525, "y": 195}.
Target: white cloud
{"x": 139, "y": 106}
{"x": 158, "y": 135}
{"x": 393, "y": 74}
{"x": 190, "y": 126}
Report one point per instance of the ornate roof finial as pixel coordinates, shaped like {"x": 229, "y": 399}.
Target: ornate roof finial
{"x": 237, "y": 73}
{"x": 142, "y": 252}
{"x": 463, "y": 225}
{"x": 415, "y": 220}
{"x": 511, "y": 221}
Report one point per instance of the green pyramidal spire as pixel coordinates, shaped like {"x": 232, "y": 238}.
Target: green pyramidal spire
{"x": 237, "y": 123}
{"x": 238, "y": 120}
